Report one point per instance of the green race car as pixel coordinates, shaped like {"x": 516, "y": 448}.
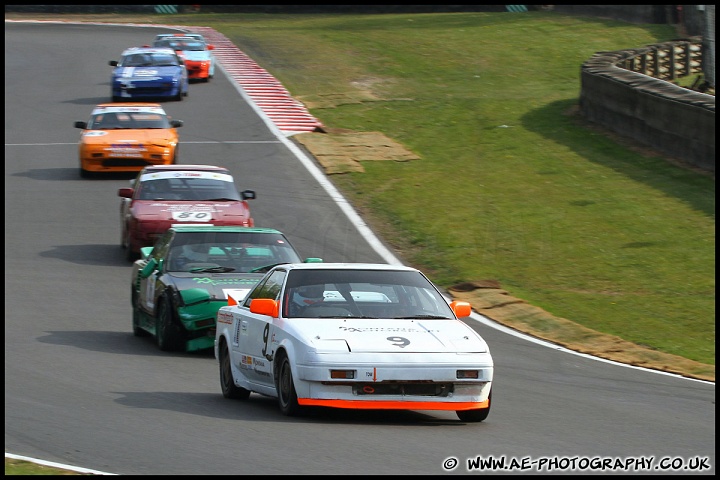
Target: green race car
{"x": 178, "y": 285}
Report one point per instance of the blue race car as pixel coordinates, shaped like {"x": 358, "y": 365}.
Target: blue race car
{"x": 149, "y": 73}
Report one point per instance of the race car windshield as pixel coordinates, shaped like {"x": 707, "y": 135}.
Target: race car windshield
{"x": 149, "y": 60}
{"x": 124, "y": 120}
{"x": 191, "y": 189}
{"x": 364, "y": 294}
{"x": 181, "y": 45}
{"x": 223, "y": 252}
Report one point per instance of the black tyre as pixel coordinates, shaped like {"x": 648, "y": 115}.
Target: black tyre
{"x": 475, "y": 415}
{"x": 84, "y": 173}
{"x": 167, "y": 331}
{"x": 287, "y": 397}
{"x": 227, "y": 384}
{"x": 137, "y": 331}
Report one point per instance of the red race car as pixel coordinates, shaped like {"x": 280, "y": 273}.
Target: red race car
{"x": 166, "y": 195}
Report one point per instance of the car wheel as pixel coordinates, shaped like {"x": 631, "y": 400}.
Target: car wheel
{"x": 167, "y": 332}
{"x": 287, "y": 397}
{"x": 84, "y": 173}
{"x": 227, "y": 384}
{"x": 477, "y": 415}
{"x": 137, "y": 331}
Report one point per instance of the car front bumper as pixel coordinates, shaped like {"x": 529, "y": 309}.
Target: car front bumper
{"x": 426, "y": 382}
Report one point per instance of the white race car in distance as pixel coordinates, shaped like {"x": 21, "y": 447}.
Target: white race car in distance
{"x": 355, "y": 336}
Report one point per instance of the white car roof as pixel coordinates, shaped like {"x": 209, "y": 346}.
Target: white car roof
{"x": 119, "y": 108}
{"x": 131, "y": 50}
{"x": 349, "y": 266}
{"x": 162, "y": 36}
{"x": 158, "y": 175}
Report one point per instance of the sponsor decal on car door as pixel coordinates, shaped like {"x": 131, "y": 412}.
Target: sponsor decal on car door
{"x": 147, "y": 291}
{"x": 256, "y": 348}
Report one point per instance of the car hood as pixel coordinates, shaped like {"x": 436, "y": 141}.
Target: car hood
{"x": 147, "y": 73}
{"x": 195, "y": 55}
{"x": 391, "y": 335}
{"x": 232, "y": 212}
{"x": 219, "y": 285}
{"x": 159, "y": 136}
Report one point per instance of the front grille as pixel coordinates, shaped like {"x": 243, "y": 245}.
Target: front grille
{"x": 149, "y": 90}
{"x": 422, "y": 389}
{"x": 125, "y": 162}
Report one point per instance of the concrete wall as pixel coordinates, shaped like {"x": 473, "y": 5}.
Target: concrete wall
{"x": 674, "y": 120}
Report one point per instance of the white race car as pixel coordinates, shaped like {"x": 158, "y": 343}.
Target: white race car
{"x": 356, "y": 336}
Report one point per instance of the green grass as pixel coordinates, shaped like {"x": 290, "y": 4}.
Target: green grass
{"x": 510, "y": 185}
{"x": 21, "y": 467}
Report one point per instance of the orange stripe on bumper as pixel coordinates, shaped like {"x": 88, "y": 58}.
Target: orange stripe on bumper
{"x": 392, "y": 405}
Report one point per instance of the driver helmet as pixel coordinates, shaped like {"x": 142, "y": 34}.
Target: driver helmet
{"x": 308, "y": 294}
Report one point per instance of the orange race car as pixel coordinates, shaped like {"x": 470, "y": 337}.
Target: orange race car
{"x": 194, "y": 50}
{"x": 125, "y": 137}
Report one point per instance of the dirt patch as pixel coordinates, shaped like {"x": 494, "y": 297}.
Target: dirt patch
{"x": 342, "y": 151}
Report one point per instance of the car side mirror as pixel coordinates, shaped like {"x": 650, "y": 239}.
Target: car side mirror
{"x": 248, "y": 194}
{"x": 176, "y": 123}
{"x": 461, "y": 309}
{"x": 211, "y": 47}
{"x": 113, "y": 63}
{"x": 148, "y": 269}
{"x": 125, "y": 192}
{"x": 82, "y": 125}
{"x": 264, "y": 306}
